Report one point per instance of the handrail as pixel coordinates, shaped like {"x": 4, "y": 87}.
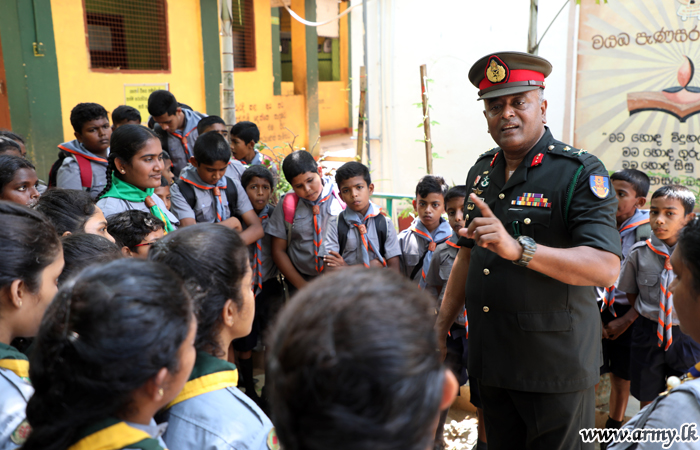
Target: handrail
{"x": 390, "y": 200}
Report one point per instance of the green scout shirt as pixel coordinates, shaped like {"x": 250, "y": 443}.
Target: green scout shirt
{"x": 528, "y": 331}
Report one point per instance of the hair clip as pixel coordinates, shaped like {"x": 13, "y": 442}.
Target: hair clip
{"x": 73, "y": 336}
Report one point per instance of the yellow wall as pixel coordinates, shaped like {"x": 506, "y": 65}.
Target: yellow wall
{"x": 79, "y": 84}
{"x": 333, "y": 105}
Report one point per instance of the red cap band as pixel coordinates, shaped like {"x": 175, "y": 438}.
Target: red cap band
{"x": 515, "y": 75}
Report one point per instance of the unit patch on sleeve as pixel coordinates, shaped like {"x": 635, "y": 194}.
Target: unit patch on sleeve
{"x": 600, "y": 185}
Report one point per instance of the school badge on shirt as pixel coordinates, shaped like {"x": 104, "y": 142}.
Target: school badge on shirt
{"x": 21, "y": 433}
{"x": 600, "y": 185}
{"x": 273, "y": 442}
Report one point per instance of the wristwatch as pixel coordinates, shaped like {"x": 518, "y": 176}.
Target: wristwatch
{"x": 529, "y": 246}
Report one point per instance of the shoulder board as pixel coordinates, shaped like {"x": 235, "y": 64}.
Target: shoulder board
{"x": 561, "y": 149}
{"x": 490, "y": 153}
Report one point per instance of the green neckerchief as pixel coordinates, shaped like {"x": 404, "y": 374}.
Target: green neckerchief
{"x": 9, "y": 352}
{"x": 125, "y": 191}
{"x": 147, "y": 443}
{"x": 206, "y": 364}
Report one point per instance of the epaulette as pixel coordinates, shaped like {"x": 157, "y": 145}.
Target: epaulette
{"x": 581, "y": 155}
{"x": 490, "y": 152}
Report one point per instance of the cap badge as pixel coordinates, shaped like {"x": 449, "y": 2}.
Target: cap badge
{"x": 496, "y": 70}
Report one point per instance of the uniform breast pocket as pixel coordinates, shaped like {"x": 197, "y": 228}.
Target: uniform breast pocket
{"x": 204, "y": 213}
{"x": 528, "y": 221}
{"x": 303, "y": 227}
{"x": 649, "y": 289}
{"x": 411, "y": 259}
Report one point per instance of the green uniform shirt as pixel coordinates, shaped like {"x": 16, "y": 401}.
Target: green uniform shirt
{"x": 527, "y": 331}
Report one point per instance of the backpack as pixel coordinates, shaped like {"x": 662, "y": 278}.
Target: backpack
{"x": 344, "y": 228}
{"x": 187, "y": 191}
{"x": 419, "y": 266}
{"x": 642, "y": 232}
{"x": 83, "y": 164}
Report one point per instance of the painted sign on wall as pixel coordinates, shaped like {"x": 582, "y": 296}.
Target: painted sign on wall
{"x": 136, "y": 96}
{"x": 638, "y": 89}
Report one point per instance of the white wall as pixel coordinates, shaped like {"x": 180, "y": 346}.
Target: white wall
{"x": 448, "y": 36}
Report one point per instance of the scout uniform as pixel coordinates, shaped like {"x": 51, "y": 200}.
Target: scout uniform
{"x": 659, "y": 347}
{"x": 15, "y": 391}
{"x": 180, "y": 143}
{"x": 362, "y": 244}
{"x": 211, "y": 413}
{"x": 534, "y": 341}
{"x": 306, "y": 243}
{"x": 113, "y": 434}
{"x": 82, "y": 169}
{"x": 267, "y": 286}
{"x": 124, "y": 197}
{"x": 417, "y": 247}
{"x": 210, "y": 208}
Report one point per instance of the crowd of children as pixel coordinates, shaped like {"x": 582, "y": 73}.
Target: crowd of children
{"x": 128, "y": 345}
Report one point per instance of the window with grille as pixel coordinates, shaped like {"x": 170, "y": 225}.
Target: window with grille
{"x": 243, "y": 22}
{"x": 127, "y": 34}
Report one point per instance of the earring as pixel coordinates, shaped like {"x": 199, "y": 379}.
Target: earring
{"x": 160, "y": 392}
{"x": 20, "y": 303}
{"x": 123, "y": 171}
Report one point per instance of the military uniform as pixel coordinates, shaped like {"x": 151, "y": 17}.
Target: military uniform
{"x": 530, "y": 332}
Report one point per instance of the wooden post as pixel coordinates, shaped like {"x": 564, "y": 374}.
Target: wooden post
{"x": 426, "y": 119}
{"x": 532, "y": 31}
{"x": 361, "y": 114}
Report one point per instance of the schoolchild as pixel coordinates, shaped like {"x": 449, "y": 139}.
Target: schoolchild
{"x": 163, "y": 191}
{"x": 17, "y": 139}
{"x": 353, "y": 365}
{"x": 176, "y": 125}
{"x": 31, "y": 259}
{"x": 18, "y": 181}
{"x": 269, "y": 292}
{"x": 73, "y": 212}
{"x": 360, "y": 234}
{"x": 210, "y": 412}
{"x": 83, "y": 250}
{"x": 125, "y": 115}
{"x": 84, "y": 159}
{"x": 299, "y": 227}
{"x": 244, "y": 137}
{"x": 135, "y": 170}
{"x": 115, "y": 346}
{"x": 135, "y": 232}
{"x": 203, "y": 194}
{"x": 631, "y": 188}
{"x": 213, "y": 123}
{"x": 659, "y": 348}
{"x": 10, "y": 147}
{"x": 429, "y": 229}
{"x": 680, "y": 407}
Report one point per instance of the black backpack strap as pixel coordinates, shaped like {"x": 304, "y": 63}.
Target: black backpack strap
{"x": 232, "y": 197}
{"x": 420, "y": 261}
{"x": 642, "y": 232}
{"x": 343, "y": 231}
{"x": 187, "y": 191}
{"x": 53, "y": 171}
{"x": 380, "y": 224}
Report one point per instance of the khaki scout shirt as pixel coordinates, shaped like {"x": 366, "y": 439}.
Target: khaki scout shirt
{"x": 528, "y": 331}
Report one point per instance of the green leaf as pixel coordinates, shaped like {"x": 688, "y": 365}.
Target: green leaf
{"x": 420, "y": 140}
{"x": 434, "y": 122}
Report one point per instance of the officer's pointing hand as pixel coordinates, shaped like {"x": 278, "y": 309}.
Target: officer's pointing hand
{"x": 488, "y": 232}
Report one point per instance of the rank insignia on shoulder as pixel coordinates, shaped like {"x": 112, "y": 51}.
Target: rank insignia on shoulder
{"x": 537, "y": 160}
{"x": 21, "y": 433}
{"x": 273, "y": 442}
{"x": 600, "y": 185}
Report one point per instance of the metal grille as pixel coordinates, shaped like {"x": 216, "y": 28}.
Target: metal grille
{"x": 243, "y": 22}
{"x": 127, "y": 34}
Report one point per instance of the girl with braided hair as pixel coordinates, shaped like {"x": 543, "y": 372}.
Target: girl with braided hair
{"x": 115, "y": 346}
{"x": 31, "y": 260}
{"x": 134, "y": 171}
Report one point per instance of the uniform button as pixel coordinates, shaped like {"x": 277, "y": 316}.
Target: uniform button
{"x": 466, "y": 217}
{"x": 486, "y": 309}
{"x": 487, "y": 271}
{"x": 527, "y": 221}
{"x": 501, "y": 196}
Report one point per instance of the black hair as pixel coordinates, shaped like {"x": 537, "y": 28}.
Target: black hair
{"x": 210, "y": 148}
{"x": 123, "y": 113}
{"x": 455, "y": 192}
{"x": 212, "y": 260}
{"x": 85, "y": 112}
{"x": 349, "y": 372}
{"x": 84, "y": 250}
{"x": 677, "y": 192}
{"x": 164, "y": 182}
{"x": 431, "y": 184}
{"x": 125, "y": 143}
{"x": 297, "y": 163}
{"x": 246, "y": 131}
{"x": 12, "y": 135}
{"x": 350, "y": 170}
{"x": 67, "y": 209}
{"x": 9, "y": 165}
{"x": 129, "y": 228}
{"x": 162, "y": 102}
{"x": 8, "y": 145}
{"x": 689, "y": 246}
{"x": 166, "y": 156}
{"x": 639, "y": 180}
{"x": 28, "y": 244}
{"x": 260, "y": 171}
{"x": 107, "y": 332}
{"x": 208, "y": 121}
